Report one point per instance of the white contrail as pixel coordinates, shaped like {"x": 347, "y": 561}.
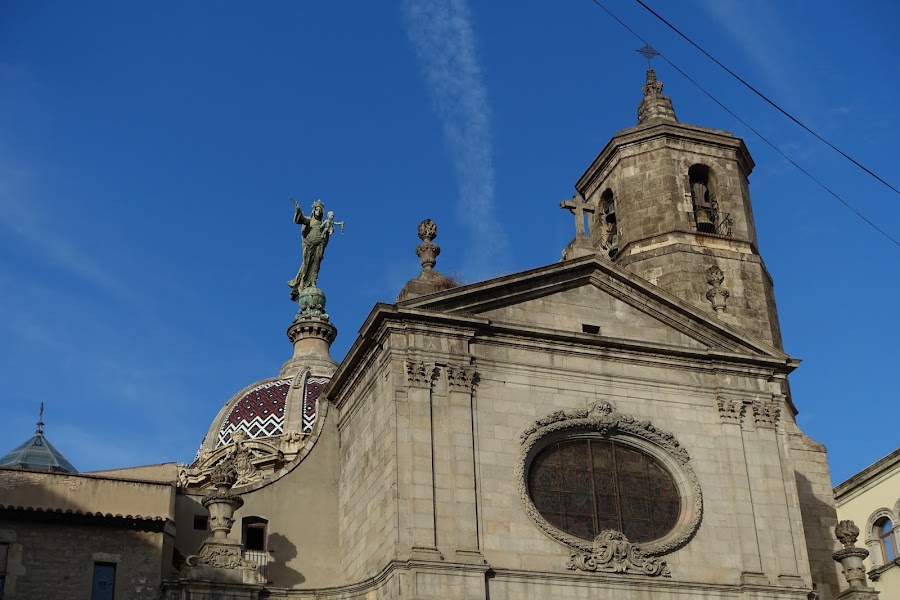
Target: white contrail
{"x": 441, "y": 35}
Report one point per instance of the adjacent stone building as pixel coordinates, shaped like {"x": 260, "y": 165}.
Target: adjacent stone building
{"x": 617, "y": 424}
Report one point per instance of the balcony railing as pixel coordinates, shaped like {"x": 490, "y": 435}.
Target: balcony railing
{"x": 261, "y": 558}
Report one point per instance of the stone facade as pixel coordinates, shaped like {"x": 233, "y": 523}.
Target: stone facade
{"x": 414, "y": 468}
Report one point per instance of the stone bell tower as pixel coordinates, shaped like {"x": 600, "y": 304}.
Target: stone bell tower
{"x": 671, "y": 203}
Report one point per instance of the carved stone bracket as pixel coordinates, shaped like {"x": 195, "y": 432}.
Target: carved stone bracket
{"x": 717, "y": 294}
{"x": 766, "y": 413}
{"x": 420, "y": 374}
{"x": 604, "y": 420}
{"x": 730, "y": 410}
{"x": 613, "y": 553}
{"x": 461, "y": 378}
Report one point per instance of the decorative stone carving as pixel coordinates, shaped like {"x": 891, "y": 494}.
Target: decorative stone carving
{"x": 613, "y": 553}
{"x": 420, "y": 373}
{"x": 427, "y": 251}
{"x": 603, "y": 419}
{"x": 652, "y": 86}
{"x": 220, "y": 552}
{"x": 731, "y": 411}
{"x": 766, "y": 413}
{"x": 717, "y": 294}
{"x": 847, "y": 533}
{"x": 460, "y": 378}
{"x": 850, "y": 557}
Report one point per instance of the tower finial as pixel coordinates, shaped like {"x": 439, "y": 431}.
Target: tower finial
{"x": 40, "y": 423}
{"x": 654, "y": 106}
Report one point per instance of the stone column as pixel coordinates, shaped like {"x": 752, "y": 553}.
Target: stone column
{"x": 460, "y": 383}
{"x": 416, "y": 462}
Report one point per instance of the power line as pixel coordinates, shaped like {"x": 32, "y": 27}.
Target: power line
{"x": 766, "y": 98}
{"x": 757, "y": 133}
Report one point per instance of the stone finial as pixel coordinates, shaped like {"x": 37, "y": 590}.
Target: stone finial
{"x": 851, "y": 559}
{"x": 429, "y": 280}
{"x": 717, "y": 294}
{"x": 847, "y": 533}
{"x": 655, "y": 106}
{"x": 427, "y": 251}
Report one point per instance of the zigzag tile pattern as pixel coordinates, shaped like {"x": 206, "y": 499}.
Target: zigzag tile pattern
{"x": 259, "y": 413}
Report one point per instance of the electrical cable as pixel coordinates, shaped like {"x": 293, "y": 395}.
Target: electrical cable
{"x": 764, "y": 97}
{"x": 757, "y": 133}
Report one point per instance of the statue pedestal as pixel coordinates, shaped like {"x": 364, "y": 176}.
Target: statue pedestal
{"x": 312, "y": 337}
{"x": 221, "y": 561}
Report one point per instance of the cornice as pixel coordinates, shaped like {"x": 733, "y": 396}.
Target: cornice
{"x": 645, "y": 133}
{"x": 843, "y": 490}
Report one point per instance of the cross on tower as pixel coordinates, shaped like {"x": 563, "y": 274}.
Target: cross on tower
{"x": 577, "y": 206}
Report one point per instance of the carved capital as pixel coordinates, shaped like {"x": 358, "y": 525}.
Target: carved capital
{"x": 730, "y": 410}
{"x": 613, "y": 553}
{"x": 766, "y": 413}
{"x": 461, "y": 378}
{"x": 420, "y": 373}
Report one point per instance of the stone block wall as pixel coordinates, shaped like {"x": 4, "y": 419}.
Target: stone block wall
{"x": 55, "y": 558}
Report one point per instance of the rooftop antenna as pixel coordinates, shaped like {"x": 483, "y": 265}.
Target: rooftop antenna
{"x": 648, "y": 52}
{"x": 40, "y": 423}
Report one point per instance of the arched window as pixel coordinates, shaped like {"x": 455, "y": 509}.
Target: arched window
{"x": 705, "y": 205}
{"x": 608, "y": 226}
{"x": 884, "y": 529}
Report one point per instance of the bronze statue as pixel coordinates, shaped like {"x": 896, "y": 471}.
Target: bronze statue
{"x": 317, "y": 228}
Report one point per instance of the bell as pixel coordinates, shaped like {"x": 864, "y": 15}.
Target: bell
{"x": 614, "y": 245}
{"x": 611, "y": 213}
{"x": 704, "y": 223}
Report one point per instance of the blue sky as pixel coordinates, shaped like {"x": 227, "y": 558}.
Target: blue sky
{"x": 147, "y": 153}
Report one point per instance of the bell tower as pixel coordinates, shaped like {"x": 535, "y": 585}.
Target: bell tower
{"x": 670, "y": 202}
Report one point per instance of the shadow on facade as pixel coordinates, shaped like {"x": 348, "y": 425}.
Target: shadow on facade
{"x": 282, "y": 551}
{"x": 819, "y": 520}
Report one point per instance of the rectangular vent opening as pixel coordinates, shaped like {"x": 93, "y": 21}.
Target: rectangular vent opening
{"x": 594, "y": 329}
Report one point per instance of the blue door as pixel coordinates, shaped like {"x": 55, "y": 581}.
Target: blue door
{"x": 104, "y": 582}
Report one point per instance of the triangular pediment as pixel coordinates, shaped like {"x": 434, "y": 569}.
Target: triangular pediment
{"x": 593, "y": 296}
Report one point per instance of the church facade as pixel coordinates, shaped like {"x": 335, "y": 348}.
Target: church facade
{"x": 617, "y": 424}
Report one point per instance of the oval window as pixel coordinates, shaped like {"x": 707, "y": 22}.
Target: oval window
{"x": 583, "y": 486}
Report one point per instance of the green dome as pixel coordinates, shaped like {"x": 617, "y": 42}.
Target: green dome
{"x": 39, "y": 454}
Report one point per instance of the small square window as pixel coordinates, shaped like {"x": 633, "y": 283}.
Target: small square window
{"x": 201, "y": 522}
{"x": 593, "y": 329}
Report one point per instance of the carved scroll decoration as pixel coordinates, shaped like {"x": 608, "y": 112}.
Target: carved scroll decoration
{"x": 613, "y": 553}
{"x": 605, "y": 420}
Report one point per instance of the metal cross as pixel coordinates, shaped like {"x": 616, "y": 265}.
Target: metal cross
{"x": 577, "y": 206}
{"x": 648, "y": 52}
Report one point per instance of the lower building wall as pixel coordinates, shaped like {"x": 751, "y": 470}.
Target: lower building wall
{"x": 55, "y": 560}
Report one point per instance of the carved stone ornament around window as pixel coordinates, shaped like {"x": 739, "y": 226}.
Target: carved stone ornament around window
{"x": 613, "y": 553}
{"x": 420, "y": 373}
{"x": 604, "y": 420}
{"x": 460, "y": 378}
{"x": 717, "y": 293}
